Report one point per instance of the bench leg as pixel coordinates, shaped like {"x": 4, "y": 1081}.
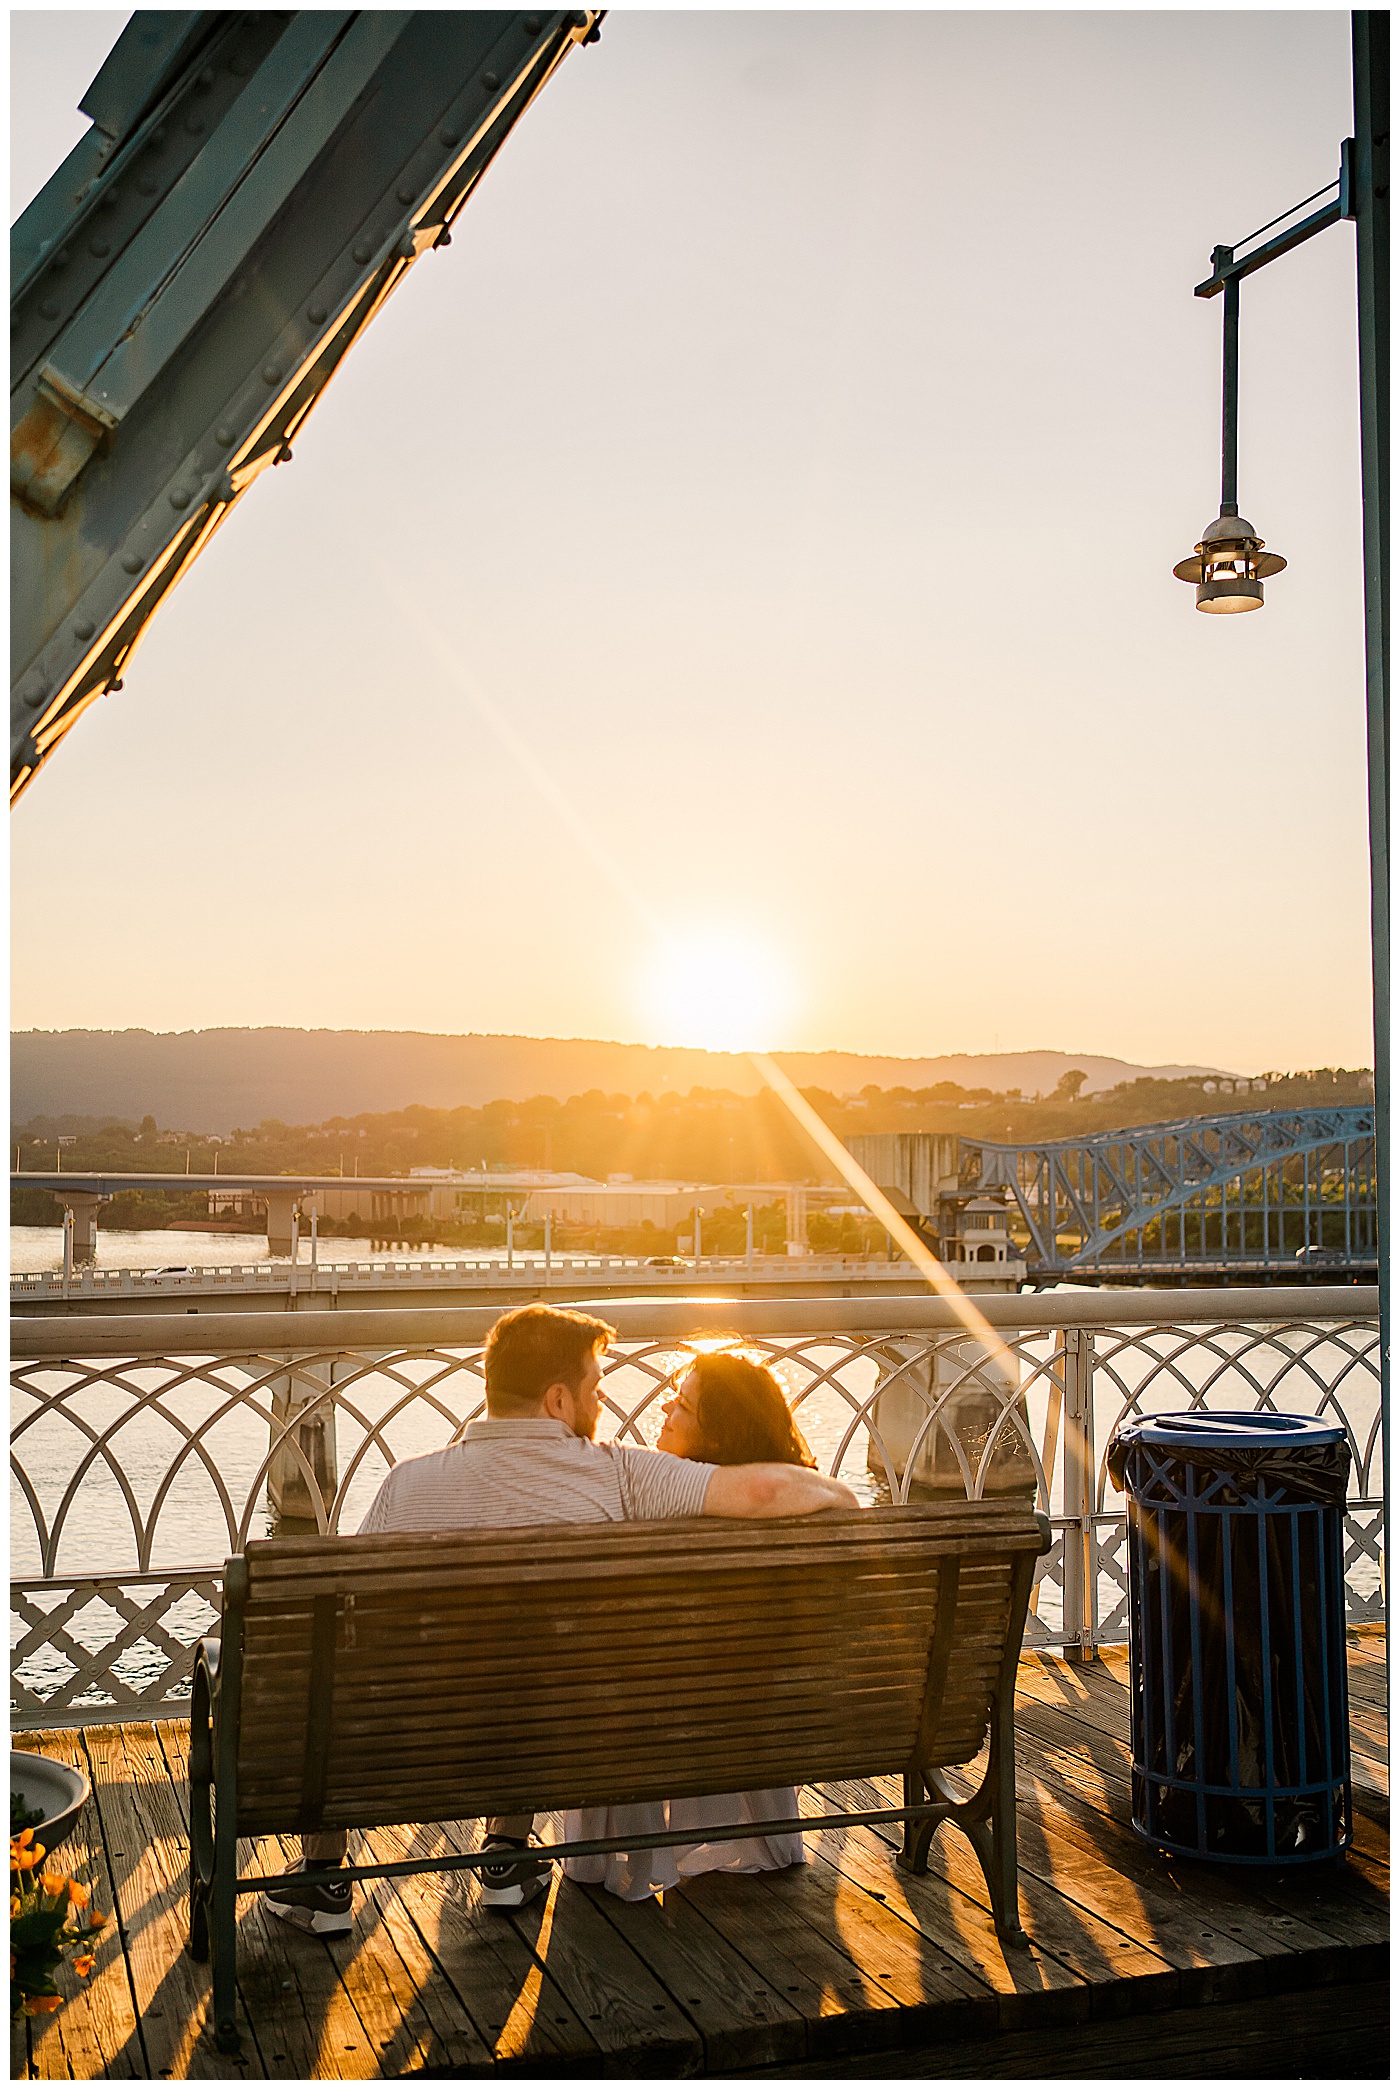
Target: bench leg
{"x": 213, "y": 1873}
{"x": 990, "y": 1826}
{"x": 987, "y": 1819}
{"x": 918, "y": 1835}
{"x": 224, "y": 1923}
{"x": 1002, "y": 1839}
{"x": 201, "y": 1816}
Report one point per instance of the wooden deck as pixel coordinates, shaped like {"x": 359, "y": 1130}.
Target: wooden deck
{"x": 844, "y": 1967}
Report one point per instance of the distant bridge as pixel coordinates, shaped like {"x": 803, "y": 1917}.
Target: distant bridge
{"x": 1267, "y": 1195}
{"x": 1248, "y": 1194}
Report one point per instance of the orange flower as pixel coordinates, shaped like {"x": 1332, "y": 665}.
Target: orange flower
{"x": 42, "y": 2006}
{"x": 84, "y": 1963}
{"x": 77, "y": 1894}
{"x": 24, "y": 1836}
{"x": 26, "y": 1860}
{"x": 14, "y": 1906}
{"x": 55, "y": 1883}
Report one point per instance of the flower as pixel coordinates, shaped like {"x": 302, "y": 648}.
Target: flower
{"x": 84, "y": 1963}
{"x": 77, "y": 1894}
{"x": 54, "y": 1883}
{"x": 42, "y": 2006}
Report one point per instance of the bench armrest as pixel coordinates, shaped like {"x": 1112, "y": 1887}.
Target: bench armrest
{"x": 208, "y": 1657}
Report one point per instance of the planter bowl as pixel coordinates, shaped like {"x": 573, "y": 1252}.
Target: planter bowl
{"x": 58, "y": 1788}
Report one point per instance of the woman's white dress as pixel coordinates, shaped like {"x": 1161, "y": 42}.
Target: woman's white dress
{"x": 635, "y": 1875}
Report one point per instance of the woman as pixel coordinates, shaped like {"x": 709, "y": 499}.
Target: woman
{"x": 726, "y": 1411}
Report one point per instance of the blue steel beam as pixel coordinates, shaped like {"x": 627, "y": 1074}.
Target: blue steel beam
{"x": 255, "y": 184}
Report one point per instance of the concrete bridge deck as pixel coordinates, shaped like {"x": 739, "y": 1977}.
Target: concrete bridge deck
{"x": 422, "y": 1281}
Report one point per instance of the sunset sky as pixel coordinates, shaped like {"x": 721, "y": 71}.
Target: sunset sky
{"x": 727, "y": 598}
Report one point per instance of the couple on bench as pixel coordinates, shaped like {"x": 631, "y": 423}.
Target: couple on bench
{"x": 729, "y": 1448}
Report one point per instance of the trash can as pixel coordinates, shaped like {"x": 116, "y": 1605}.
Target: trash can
{"x": 1238, "y": 1634}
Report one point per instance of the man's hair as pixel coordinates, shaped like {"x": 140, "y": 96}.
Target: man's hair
{"x": 533, "y": 1348}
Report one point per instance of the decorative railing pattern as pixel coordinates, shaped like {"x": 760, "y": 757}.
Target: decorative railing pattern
{"x": 137, "y": 1459}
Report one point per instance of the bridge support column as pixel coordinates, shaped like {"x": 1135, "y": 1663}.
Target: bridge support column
{"x": 83, "y": 1205}
{"x": 281, "y": 1204}
{"x": 797, "y": 1219}
{"x": 293, "y": 1492}
{"x": 979, "y": 1389}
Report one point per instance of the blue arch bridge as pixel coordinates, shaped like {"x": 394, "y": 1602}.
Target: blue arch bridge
{"x": 1265, "y": 1196}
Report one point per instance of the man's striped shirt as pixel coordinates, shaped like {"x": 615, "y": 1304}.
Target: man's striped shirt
{"x": 510, "y": 1470}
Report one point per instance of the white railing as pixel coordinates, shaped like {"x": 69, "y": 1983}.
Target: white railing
{"x": 139, "y": 1462}
{"x": 414, "y": 1273}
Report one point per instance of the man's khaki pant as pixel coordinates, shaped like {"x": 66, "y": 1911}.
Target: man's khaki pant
{"x": 328, "y": 1846}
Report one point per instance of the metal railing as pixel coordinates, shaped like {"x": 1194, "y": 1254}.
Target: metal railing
{"x": 139, "y": 1460}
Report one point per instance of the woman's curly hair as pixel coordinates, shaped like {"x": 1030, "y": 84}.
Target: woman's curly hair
{"x": 742, "y": 1416}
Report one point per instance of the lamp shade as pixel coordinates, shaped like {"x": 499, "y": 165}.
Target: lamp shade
{"x": 1229, "y": 566}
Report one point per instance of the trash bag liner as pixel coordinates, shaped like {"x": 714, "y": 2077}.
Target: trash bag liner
{"x": 1293, "y": 1452}
{"x": 1238, "y": 1636}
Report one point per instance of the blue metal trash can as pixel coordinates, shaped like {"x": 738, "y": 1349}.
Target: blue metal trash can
{"x": 1240, "y": 1740}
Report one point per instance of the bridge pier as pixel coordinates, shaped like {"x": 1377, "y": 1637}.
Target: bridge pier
{"x": 281, "y": 1207}
{"x": 980, "y": 1386}
{"x": 291, "y": 1491}
{"x": 83, "y": 1205}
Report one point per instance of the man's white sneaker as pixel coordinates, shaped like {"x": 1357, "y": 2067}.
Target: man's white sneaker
{"x": 325, "y": 1911}
{"x": 515, "y": 1880}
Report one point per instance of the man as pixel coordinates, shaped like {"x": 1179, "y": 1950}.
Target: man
{"x": 532, "y": 1460}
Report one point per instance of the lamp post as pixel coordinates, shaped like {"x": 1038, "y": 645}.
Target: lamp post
{"x": 1229, "y": 565}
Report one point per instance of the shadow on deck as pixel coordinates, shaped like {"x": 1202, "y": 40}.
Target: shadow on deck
{"x": 844, "y": 1967}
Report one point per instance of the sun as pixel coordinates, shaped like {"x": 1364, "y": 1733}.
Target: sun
{"x": 717, "y": 990}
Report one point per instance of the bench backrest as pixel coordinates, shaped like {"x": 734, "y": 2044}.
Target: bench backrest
{"x": 404, "y": 1679}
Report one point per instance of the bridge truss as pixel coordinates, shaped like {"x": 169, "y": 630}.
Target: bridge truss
{"x": 1252, "y": 1192}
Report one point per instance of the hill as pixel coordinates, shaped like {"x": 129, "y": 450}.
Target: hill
{"x": 214, "y": 1080}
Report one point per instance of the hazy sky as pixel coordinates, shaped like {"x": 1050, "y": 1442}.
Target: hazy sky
{"x": 768, "y": 505}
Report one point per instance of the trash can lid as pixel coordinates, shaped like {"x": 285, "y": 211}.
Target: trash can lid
{"x": 1201, "y": 1429}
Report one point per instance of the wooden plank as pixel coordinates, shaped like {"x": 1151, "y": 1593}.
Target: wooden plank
{"x": 768, "y": 1921}
{"x": 342, "y": 2008}
{"x": 957, "y": 1920}
{"x": 596, "y": 1972}
{"x": 147, "y": 1851}
{"x": 1081, "y": 1948}
{"x": 1100, "y": 1769}
{"x": 1087, "y": 1801}
{"x": 1332, "y": 2034}
{"x": 518, "y": 2014}
{"x": 742, "y": 2019}
{"x": 95, "y": 2034}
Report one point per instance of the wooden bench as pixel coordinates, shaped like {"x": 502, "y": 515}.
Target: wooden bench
{"x": 407, "y": 1679}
